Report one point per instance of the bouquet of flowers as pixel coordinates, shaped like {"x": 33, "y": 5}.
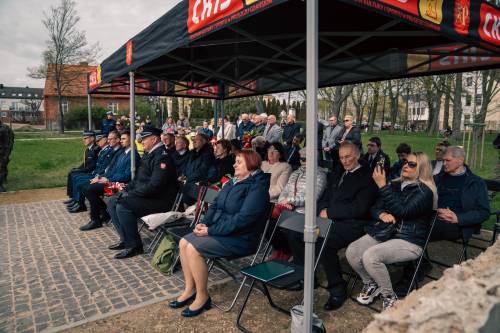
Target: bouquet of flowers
{"x": 113, "y": 187}
{"x": 247, "y": 139}
{"x": 220, "y": 184}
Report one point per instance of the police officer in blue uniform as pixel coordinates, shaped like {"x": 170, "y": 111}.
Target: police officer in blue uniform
{"x": 88, "y": 165}
{"x": 153, "y": 190}
{"x": 117, "y": 171}
{"x": 109, "y": 144}
{"x": 108, "y": 124}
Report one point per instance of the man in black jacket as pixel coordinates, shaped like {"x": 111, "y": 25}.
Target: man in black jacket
{"x": 290, "y": 130}
{"x": 463, "y": 203}
{"x": 153, "y": 190}
{"x": 346, "y": 200}
{"x": 88, "y": 165}
{"x": 375, "y": 155}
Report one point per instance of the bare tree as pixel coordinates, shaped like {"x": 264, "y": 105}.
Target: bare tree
{"x": 434, "y": 89}
{"x": 359, "y": 98}
{"x": 394, "y": 91}
{"x": 33, "y": 107}
{"x": 66, "y": 45}
{"x": 375, "y": 88}
{"x": 336, "y": 96}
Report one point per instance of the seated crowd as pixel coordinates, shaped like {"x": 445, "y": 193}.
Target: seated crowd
{"x": 381, "y": 213}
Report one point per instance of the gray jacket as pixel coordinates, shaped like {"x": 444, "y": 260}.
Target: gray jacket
{"x": 295, "y": 189}
{"x": 329, "y": 135}
{"x": 273, "y": 134}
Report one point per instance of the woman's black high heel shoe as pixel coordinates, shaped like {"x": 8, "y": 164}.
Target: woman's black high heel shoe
{"x": 187, "y": 312}
{"x": 177, "y": 304}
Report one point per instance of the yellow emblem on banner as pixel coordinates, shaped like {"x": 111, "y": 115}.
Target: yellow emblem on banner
{"x": 99, "y": 74}
{"x": 432, "y": 10}
{"x": 249, "y": 2}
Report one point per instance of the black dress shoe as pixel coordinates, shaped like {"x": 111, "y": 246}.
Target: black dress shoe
{"x": 69, "y": 201}
{"x": 72, "y": 204}
{"x": 334, "y": 302}
{"x": 91, "y": 225}
{"x": 129, "y": 253}
{"x": 117, "y": 246}
{"x": 77, "y": 209}
{"x": 187, "y": 312}
{"x": 177, "y": 304}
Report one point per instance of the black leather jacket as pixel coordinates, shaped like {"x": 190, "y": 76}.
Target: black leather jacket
{"x": 412, "y": 208}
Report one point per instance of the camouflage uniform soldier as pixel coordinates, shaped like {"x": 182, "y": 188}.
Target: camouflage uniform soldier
{"x": 6, "y": 144}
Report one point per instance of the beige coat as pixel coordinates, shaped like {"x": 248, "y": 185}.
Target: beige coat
{"x": 280, "y": 172}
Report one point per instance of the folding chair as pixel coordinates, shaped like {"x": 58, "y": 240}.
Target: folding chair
{"x": 293, "y": 222}
{"x": 254, "y": 259}
{"x": 415, "y": 263}
{"x": 161, "y": 230}
{"x": 177, "y": 232}
{"x": 493, "y": 187}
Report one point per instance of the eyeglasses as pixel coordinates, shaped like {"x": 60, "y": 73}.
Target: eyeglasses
{"x": 303, "y": 159}
{"x": 346, "y": 120}
{"x": 410, "y": 164}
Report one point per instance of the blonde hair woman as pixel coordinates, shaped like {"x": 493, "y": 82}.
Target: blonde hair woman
{"x": 402, "y": 217}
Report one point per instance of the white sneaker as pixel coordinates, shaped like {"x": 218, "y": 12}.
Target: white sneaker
{"x": 369, "y": 292}
{"x": 388, "y": 301}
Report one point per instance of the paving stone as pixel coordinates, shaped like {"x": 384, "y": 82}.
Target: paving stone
{"x": 55, "y": 275}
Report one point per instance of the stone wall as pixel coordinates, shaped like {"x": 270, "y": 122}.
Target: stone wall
{"x": 466, "y": 299}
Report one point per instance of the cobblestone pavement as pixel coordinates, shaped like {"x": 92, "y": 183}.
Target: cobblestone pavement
{"x": 53, "y": 276}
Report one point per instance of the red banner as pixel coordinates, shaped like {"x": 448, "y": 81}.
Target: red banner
{"x": 202, "y": 90}
{"x": 95, "y": 78}
{"x": 489, "y": 25}
{"x": 205, "y": 12}
{"x": 128, "y": 57}
{"x": 461, "y": 17}
{"x": 410, "y": 6}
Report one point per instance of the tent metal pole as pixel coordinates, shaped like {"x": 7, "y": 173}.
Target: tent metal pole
{"x": 310, "y": 234}
{"x": 89, "y": 110}
{"x": 132, "y": 123}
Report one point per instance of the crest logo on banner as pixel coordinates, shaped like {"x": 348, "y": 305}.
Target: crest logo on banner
{"x": 95, "y": 78}
{"x": 128, "y": 57}
{"x": 410, "y": 6}
{"x": 204, "y": 12}
{"x": 432, "y": 10}
{"x": 489, "y": 24}
{"x": 462, "y": 17}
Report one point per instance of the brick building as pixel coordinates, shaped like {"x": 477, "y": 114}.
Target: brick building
{"x": 21, "y": 105}
{"x": 75, "y": 94}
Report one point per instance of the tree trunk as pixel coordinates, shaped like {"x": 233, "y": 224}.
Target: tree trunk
{"x": 446, "y": 110}
{"x": 337, "y": 101}
{"x": 61, "y": 114}
{"x": 373, "y": 112}
{"x": 457, "y": 107}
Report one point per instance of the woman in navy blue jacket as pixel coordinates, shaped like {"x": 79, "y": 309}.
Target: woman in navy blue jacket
{"x": 230, "y": 229}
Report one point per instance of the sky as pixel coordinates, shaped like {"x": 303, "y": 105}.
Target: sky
{"x": 109, "y": 22}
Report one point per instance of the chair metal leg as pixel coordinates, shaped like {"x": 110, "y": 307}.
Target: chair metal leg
{"x": 235, "y": 299}
{"x": 240, "y": 313}
{"x": 271, "y": 302}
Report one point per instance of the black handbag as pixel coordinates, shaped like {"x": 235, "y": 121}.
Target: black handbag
{"x": 381, "y": 231}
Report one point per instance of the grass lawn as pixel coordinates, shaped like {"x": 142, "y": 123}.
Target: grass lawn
{"x": 42, "y": 163}
{"x": 45, "y": 163}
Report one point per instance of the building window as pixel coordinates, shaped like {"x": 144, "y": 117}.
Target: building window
{"x": 466, "y": 118}
{"x": 468, "y": 100}
{"x": 65, "y": 106}
{"x": 29, "y": 95}
{"x": 479, "y": 99}
{"x": 20, "y": 95}
{"x": 468, "y": 81}
{"x": 4, "y": 114}
{"x": 36, "y": 95}
{"x": 113, "y": 107}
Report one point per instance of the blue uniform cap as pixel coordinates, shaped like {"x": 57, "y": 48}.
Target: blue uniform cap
{"x": 150, "y": 130}
{"x": 109, "y": 113}
{"x": 86, "y": 134}
{"x": 99, "y": 136}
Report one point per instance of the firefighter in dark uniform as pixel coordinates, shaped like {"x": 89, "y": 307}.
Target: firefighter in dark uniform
{"x": 88, "y": 165}
{"x": 153, "y": 190}
{"x": 108, "y": 150}
{"x": 6, "y": 144}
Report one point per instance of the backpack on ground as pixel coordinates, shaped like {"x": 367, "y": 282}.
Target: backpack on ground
{"x": 164, "y": 257}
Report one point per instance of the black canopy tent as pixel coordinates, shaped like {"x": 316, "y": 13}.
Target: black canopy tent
{"x": 260, "y": 48}
{"x": 226, "y": 49}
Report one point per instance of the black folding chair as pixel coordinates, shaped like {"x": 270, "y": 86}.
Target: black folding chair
{"x": 160, "y": 231}
{"x": 293, "y": 222}
{"x": 177, "y": 232}
{"x": 217, "y": 262}
{"x": 493, "y": 187}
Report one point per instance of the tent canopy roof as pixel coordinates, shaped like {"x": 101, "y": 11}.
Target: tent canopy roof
{"x": 252, "y": 47}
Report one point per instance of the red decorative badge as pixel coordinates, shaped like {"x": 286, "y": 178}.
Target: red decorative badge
{"x": 163, "y": 166}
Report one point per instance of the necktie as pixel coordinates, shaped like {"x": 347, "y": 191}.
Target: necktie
{"x": 342, "y": 178}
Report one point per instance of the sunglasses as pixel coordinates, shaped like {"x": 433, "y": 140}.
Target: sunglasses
{"x": 346, "y": 120}
{"x": 410, "y": 164}
{"x": 303, "y": 159}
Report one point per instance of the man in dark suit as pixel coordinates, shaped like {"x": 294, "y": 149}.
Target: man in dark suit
{"x": 289, "y": 130}
{"x": 153, "y": 190}
{"x": 375, "y": 155}
{"x": 346, "y": 200}
{"x": 88, "y": 165}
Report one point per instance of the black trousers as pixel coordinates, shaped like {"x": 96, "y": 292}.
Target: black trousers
{"x": 445, "y": 231}
{"x": 341, "y": 235}
{"x": 94, "y": 193}
{"x": 125, "y": 222}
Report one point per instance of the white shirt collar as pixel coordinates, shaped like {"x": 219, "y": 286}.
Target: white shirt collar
{"x": 159, "y": 144}
{"x": 354, "y": 170}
